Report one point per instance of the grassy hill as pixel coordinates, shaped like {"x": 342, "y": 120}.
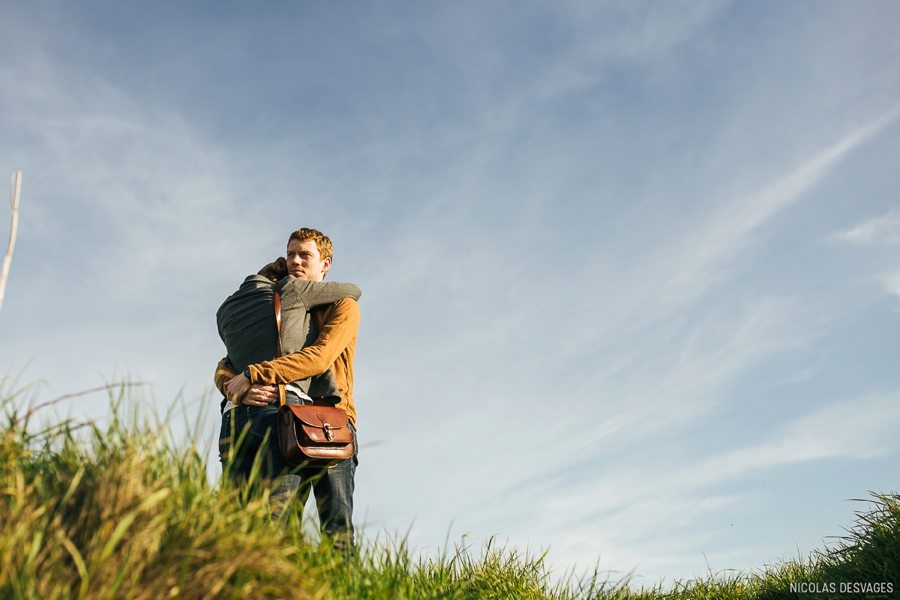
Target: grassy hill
{"x": 120, "y": 511}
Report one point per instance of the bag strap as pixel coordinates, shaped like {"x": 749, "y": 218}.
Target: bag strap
{"x": 278, "y": 318}
{"x": 277, "y": 289}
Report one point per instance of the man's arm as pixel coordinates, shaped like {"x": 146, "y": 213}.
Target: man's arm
{"x": 336, "y": 333}
{"x": 223, "y": 375}
{"x": 251, "y": 396}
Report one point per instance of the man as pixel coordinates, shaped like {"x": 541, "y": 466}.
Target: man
{"x": 247, "y": 325}
{"x": 309, "y": 257}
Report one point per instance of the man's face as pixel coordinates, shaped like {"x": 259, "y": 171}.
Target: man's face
{"x": 304, "y": 261}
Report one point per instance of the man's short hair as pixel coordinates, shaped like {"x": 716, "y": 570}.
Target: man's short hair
{"x": 323, "y": 244}
{"x": 275, "y": 271}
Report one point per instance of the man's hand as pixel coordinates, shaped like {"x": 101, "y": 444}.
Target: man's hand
{"x": 261, "y": 395}
{"x": 236, "y": 387}
{"x": 239, "y": 391}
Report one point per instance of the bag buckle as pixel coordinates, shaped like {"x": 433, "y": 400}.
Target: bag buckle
{"x": 329, "y": 434}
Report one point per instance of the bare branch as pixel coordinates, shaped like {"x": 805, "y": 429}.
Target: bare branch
{"x": 108, "y": 386}
{"x": 15, "y": 184}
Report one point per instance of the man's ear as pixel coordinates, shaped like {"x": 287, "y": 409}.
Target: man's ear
{"x": 326, "y": 264}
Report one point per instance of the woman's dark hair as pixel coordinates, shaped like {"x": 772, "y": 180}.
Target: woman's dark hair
{"x": 275, "y": 271}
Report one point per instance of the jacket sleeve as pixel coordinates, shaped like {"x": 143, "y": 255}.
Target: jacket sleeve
{"x": 223, "y": 375}
{"x": 318, "y": 293}
{"x": 340, "y": 328}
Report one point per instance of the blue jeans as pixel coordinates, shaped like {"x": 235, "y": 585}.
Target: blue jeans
{"x": 333, "y": 487}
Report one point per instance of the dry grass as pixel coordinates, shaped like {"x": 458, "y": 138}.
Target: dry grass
{"x": 122, "y": 512}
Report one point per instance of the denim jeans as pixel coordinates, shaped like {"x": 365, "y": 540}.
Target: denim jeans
{"x": 333, "y": 488}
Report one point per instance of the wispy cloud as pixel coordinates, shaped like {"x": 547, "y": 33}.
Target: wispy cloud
{"x": 891, "y": 283}
{"x": 117, "y": 160}
{"x": 623, "y": 511}
{"x": 665, "y": 368}
{"x": 880, "y": 231}
{"x": 708, "y": 252}
{"x": 859, "y": 429}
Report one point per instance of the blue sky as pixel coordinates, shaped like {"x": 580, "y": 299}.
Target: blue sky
{"x": 630, "y": 271}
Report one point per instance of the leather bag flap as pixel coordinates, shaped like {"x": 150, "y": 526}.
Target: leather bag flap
{"x": 319, "y": 416}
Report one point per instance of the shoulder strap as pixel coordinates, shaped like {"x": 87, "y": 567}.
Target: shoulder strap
{"x": 277, "y": 289}
{"x": 278, "y": 318}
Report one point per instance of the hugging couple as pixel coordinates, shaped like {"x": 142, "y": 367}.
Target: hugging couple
{"x": 317, "y": 341}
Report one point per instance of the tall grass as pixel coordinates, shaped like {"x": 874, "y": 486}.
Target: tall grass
{"x": 121, "y": 511}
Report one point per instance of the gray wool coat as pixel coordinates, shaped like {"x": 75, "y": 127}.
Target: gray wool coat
{"x": 246, "y": 323}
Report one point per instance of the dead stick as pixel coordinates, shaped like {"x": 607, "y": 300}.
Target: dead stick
{"x": 108, "y": 386}
{"x": 15, "y": 184}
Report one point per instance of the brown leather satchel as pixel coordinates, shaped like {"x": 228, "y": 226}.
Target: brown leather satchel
{"x": 314, "y": 436}
{"x": 310, "y": 435}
